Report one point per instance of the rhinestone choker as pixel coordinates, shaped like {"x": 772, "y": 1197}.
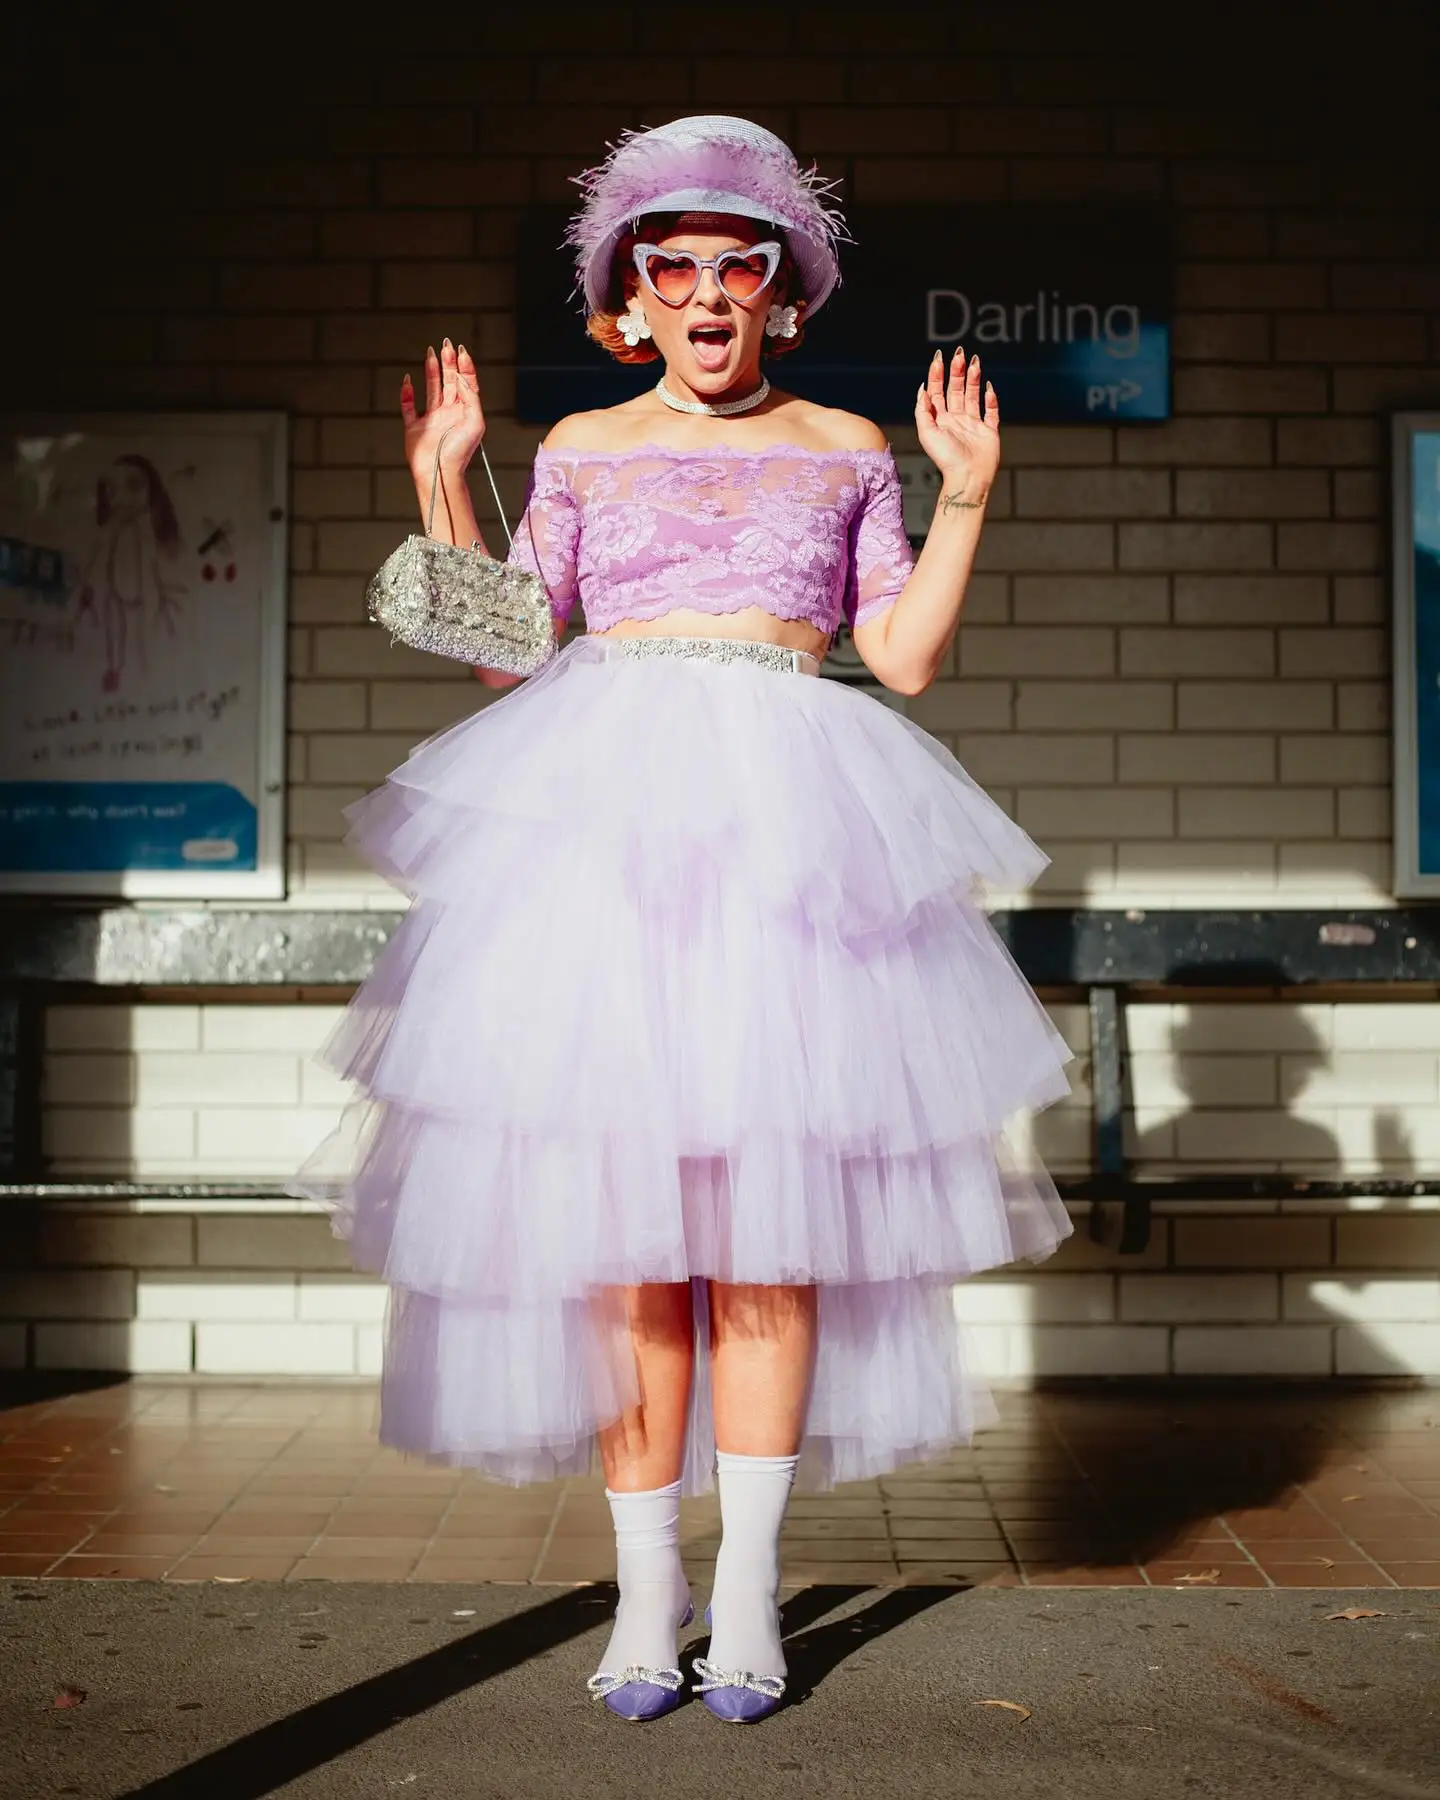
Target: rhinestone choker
{"x": 719, "y": 408}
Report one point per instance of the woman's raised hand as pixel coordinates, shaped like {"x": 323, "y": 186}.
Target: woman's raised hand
{"x": 959, "y": 434}
{"x": 452, "y": 415}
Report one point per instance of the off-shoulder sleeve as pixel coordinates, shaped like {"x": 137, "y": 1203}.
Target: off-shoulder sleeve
{"x": 880, "y": 555}
{"x": 547, "y": 538}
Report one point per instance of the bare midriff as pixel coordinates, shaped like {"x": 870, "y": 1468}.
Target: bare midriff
{"x": 751, "y": 622}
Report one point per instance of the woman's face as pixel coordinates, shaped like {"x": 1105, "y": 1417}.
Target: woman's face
{"x": 710, "y": 341}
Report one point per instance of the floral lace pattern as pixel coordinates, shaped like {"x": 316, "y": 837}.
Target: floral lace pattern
{"x": 635, "y": 534}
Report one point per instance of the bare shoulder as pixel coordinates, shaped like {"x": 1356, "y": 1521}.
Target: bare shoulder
{"x": 605, "y": 427}
{"x": 832, "y": 428}
{"x": 574, "y": 431}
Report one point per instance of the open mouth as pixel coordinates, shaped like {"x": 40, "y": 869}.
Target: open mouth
{"x": 710, "y": 341}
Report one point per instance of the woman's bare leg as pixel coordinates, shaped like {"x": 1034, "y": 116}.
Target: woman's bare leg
{"x": 643, "y": 1453}
{"x": 645, "y": 1447}
{"x": 763, "y": 1354}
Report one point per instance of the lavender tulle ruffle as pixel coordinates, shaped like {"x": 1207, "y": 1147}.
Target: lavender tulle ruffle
{"x": 695, "y": 984}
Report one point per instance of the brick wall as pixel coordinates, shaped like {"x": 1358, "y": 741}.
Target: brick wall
{"x": 1173, "y": 668}
{"x": 1174, "y": 663}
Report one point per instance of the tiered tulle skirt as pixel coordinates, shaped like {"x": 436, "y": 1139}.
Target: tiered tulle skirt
{"x": 694, "y": 984}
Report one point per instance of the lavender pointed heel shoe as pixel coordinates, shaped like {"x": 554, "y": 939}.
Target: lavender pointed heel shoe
{"x": 737, "y": 1696}
{"x": 638, "y": 1694}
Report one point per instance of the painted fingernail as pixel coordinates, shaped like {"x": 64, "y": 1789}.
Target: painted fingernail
{"x": 460, "y": 348}
{"x": 448, "y": 344}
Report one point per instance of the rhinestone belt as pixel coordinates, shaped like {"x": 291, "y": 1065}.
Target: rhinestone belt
{"x": 716, "y": 649}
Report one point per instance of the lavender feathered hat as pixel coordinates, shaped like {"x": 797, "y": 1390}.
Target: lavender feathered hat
{"x": 707, "y": 163}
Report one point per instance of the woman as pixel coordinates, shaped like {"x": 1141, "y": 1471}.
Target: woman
{"x": 690, "y": 1061}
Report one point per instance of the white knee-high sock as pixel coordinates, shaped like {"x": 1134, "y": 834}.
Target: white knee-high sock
{"x": 745, "y": 1628}
{"x": 653, "y": 1590}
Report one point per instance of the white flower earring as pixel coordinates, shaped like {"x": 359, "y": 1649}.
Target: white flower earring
{"x": 633, "y": 326}
{"x": 780, "y": 322}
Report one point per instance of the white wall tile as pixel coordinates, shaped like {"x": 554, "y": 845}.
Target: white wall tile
{"x": 136, "y": 1348}
{"x": 218, "y": 1078}
{"x": 1192, "y": 1298}
{"x": 1358, "y": 1300}
{"x": 1252, "y": 1350}
{"x": 255, "y": 1298}
{"x": 294, "y": 1349}
{"x": 1089, "y": 1350}
{"x": 1381, "y": 1348}
{"x": 355, "y": 1299}
{"x": 263, "y": 1241}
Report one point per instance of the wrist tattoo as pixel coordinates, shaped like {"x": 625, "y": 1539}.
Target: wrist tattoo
{"x": 958, "y": 503}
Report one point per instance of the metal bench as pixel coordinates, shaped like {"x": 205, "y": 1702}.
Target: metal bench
{"x": 57, "y": 953}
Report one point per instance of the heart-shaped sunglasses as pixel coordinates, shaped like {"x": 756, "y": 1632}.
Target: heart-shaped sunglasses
{"x": 674, "y": 275}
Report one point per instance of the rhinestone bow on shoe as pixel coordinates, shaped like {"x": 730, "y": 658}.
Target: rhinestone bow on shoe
{"x": 605, "y": 1683}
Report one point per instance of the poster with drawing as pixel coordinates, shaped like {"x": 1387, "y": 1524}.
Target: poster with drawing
{"x": 142, "y": 655}
{"x": 1416, "y": 614}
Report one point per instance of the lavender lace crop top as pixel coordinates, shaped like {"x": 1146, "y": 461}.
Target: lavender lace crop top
{"x": 634, "y": 534}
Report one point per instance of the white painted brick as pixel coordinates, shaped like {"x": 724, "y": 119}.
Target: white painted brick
{"x": 321, "y": 1089}
{"x": 1353, "y": 1077}
{"x": 262, "y": 1138}
{"x": 1385, "y": 1349}
{"x": 260, "y": 1241}
{"x": 218, "y": 1079}
{"x": 14, "y": 1347}
{"x": 1037, "y": 650}
{"x": 1362, "y": 813}
{"x": 1089, "y": 1350}
{"x": 1232, "y": 812}
{"x": 117, "y": 1239}
{"x": 135, "y": 1348}
{"x": 1222, "y": 1025}
{"x": 1097, "y": 812}
{"x": 1264, "y": 1243}
{"x": 1388, "y": 1241}
{"x": 369, "y": 1349}
{"x": 89, "y": 1079}
{"x": 1191, "y": 760}
{"x": 1255, "y": 705}
{"x": 1363, "y": 706}
{"x": 295, "y": 1028}
{"x": 1197, "y": 1080}
{"x": 1406, "y": 1299}
{"x": 121, "y": 1140}
{"x": 1388, "y": 1026}
{"x": 1091, "y": 599}
{"x": 1279, "y": 1139}
{"x": 1346, "y": 756}
{"x": 67, "y": 1294}
{"x": 1196, "y": 651}
{"x": 1079, "y": 1253}
{"x": 1354, "y": 874}
{"x": 122, "y": 1028}
{"x": 1039, "y": 1299}
{"x": 1192, "y": 1298}
{"x": 1250, "y": 1350}
{"x": 366, "y": 756}
{"x": 238, "y": 1349}
{"x": 328, "y": 705}
{"x": 342, "y": 1298}
{"x": 1017, "y": 758}
{"x": 1195, "y": 868}
{"x": 421, "y": 706}
{"x": 963, "y": 706}
{"x": 1084, "y": 871}
{"x": 215, "y": 1295}
{"x": 1094, "y": 705}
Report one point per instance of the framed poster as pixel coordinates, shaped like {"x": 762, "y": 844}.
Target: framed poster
{"x": 142, "y": 681}
{"x": 1415, "y": 491}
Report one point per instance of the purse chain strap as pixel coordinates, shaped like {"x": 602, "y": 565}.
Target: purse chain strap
{"x": 435, "y": 488}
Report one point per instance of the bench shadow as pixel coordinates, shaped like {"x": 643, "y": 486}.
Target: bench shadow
{"x": 277, "y": 1754}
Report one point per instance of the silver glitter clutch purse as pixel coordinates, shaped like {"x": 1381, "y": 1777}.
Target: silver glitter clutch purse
{"x": 462, "y": 603}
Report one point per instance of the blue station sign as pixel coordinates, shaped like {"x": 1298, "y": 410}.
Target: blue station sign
{"x": 1068, "y": 308}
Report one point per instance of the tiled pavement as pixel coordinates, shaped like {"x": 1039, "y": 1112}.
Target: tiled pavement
{"x": 1111, "y": 1485}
